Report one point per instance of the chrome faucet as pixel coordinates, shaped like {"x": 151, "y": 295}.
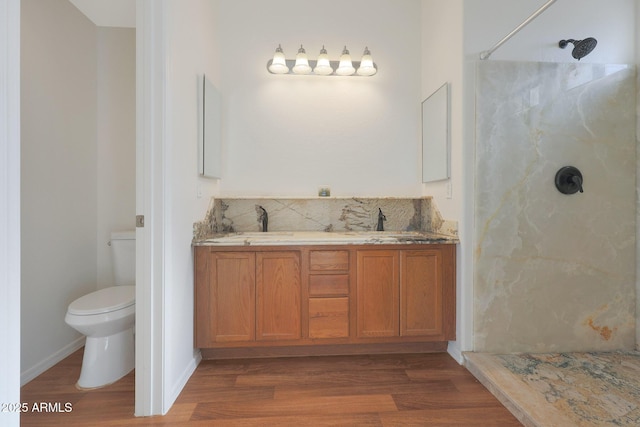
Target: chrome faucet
{"x": 381, "y": 219}
{"x": 264, "y": 218}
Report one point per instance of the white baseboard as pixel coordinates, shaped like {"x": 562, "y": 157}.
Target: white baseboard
{"x": 182, "y": 381}
{"x": 50, "y": 361}
{"x": 454, "y": 351}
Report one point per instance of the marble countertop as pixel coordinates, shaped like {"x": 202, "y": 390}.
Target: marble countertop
{"x": 283, "y": 238}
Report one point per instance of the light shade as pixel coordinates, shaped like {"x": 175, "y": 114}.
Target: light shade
{"x": 302, "y": 62}
{"x": 323, "y": 66}
{"x": 346, "y": 67}
{"x": 367, "y": 68}
{"x": 279, "y": 64}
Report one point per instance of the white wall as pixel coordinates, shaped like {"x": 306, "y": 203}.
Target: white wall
{"x": 116, "y": 132}
{"x": 109, "y": 13}
{"x": 442, "y": 61}
{"x": 58, "y": 209}
{"x": 10, "y": 208}
{"x": 191, "y": 51}
{"x": 287, "y": 135}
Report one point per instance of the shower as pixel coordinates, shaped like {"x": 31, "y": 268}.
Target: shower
{"x": 581, "y": 48}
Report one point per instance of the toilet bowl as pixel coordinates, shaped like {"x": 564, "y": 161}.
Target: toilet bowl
{"x": 107, "y": 318}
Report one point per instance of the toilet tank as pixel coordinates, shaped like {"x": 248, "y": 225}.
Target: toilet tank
{"x": 123, "y": 257}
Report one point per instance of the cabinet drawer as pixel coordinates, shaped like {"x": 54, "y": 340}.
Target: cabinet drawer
{"x": 328, "y": 260}
{"x": 328, "y": 284}
{"x": 328, "y": 317}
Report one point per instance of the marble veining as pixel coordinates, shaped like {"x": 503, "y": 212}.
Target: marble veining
{"x": 564, "y": 389}
{"x": 554, "y": 272}
{"x": 336, "y": 215}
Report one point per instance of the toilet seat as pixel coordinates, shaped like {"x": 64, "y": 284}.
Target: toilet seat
{"x": 104, "y": 301}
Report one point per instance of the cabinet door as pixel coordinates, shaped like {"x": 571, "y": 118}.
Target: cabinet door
{"x": 278, "y": 296}
{"x": 421, "y": 293}
{"x": 377, "y": 286}
{"x": 232, "y": 296}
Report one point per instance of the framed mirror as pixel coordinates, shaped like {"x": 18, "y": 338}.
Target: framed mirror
{"x": 210, "y": 147}
{"x": 436, "y": 136}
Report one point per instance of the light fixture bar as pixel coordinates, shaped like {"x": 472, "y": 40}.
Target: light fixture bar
{"x": 312, "y": 63}
{"x": 304, "y": 66}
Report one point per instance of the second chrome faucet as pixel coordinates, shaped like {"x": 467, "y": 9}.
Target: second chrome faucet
{"x": 263, "y": 218}
{"x": 381, "y": 220}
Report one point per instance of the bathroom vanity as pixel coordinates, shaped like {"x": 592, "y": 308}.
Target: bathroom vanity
{"x": 308, "y": 293}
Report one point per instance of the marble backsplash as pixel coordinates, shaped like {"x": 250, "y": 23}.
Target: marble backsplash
{"x": 227, "y": 215}
{"x": 554, "y": 272}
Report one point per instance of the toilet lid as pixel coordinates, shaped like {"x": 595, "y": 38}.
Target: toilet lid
{"x": 104, "y": 300}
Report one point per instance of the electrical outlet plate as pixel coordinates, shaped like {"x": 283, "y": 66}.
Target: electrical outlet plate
{"x": 324, "y": 191}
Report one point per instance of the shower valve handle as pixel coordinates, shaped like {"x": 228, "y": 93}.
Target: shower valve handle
{"x": 577, "y": 180}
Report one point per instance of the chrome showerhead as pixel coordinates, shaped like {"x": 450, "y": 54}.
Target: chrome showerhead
{"x": 581, "y": 48}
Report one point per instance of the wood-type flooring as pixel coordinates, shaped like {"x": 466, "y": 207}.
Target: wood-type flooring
{"x": 372, "y": 390}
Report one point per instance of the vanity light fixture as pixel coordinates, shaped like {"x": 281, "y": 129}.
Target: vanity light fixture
{"x": 322, "y": 66}
{"x": 278, "y": 64}
{"x": 366, "y": 67}
{"x": 346, "y": 66}
{"x": 302, "y": 62}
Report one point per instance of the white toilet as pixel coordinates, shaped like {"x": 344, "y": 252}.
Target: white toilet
{"x": 107, "y": 318}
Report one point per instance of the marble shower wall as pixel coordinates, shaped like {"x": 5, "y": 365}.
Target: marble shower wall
{"x": 637, "y": 212}
{"x": 319, "y": 214}
{"x": 554, "y": 272}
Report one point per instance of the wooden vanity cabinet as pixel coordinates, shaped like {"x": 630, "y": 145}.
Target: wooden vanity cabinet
{"x": 343, "y": 298}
